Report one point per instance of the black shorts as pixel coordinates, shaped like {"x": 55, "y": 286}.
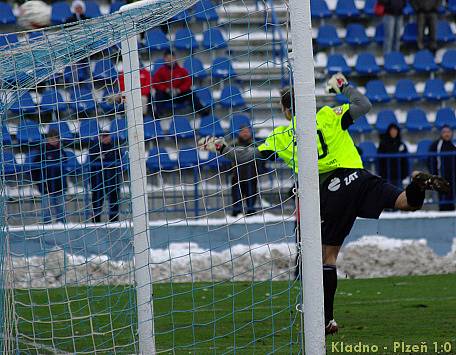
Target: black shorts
{"x": 351, "y": 193}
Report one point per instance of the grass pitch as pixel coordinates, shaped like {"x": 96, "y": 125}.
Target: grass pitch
{"x": 260, "y": 318}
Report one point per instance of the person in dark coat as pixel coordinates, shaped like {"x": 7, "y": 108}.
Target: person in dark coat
{"x": 426, "y": 13}
{"x": 49, "y": 172}
{"x": 105, "y": 176}
{"x": 393, "y": 23}
{"x": 444, "y": 165}
{"x": 394, "y": 170}
{"x": 244, "y": 183}
{"x": 78, "y": 8}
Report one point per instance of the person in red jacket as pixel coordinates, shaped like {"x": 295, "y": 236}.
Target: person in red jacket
{"x": 173, "y": 83}
{"x": 146, "y": 82}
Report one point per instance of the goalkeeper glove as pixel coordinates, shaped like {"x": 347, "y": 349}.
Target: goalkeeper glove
{"x": 336, "y": 84}
{"x": 211, "y": 144}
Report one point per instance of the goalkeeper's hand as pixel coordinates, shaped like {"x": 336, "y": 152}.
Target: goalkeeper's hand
{"x": 336, "y": 84}
{"x": 211, "y": 144}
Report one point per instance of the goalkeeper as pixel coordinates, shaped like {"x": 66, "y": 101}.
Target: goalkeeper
{"x": 347, "y": 191}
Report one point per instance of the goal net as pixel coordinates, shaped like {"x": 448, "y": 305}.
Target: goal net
{"x": 120, "y": 235}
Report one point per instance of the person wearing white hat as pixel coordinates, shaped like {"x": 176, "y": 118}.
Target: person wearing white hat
{"x": 78, "y": 8}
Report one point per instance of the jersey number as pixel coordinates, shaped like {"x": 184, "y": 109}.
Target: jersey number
{"x": 324, "y": 146}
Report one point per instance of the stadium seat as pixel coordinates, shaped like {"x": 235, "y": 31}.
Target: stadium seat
{"x": 366, "y": 64}
{"x": 222, "y": 68}
{"x": 52, "y": 101}
{"x": 34, "y": 35}
{"x": 376, "y": 92}
{"x": 454, "y": 89}
{"x": 341, "y": 99}
{"x": 205, "y": 11}
{"x": 28, "y": 132}
{"x": 417, "y": 121}
{"x": 238, "y": 122}
{"x": 8, "y": 39}
{"x": 444, "y": 32}
{"x": 213, "y": 39}
{"x": 116, "y": 5}
{"x": 6, "y": 137}
{"x": 105, "y": 70}
{"x": 395, "y": 63}
{"x": 405, "y": 91}
{"x": 118, "y": 129}
{"x": 152, "y": 129}
{"x": 347, "y": 9}
{"x": 328, "y": 37}
{"x": 72, "y": 165}
{"x": 76, "y": 73}
{"x": 434, "y": 90}
{"x": 445, "y": 117}
{"x": 23, "y": 104}
{"x": 410, "y": 33}
{"x": 356, "y": 35}
{"x": 231, "y": 97}
{"x": 195, "y": 67}
{"x": 183, "y": 16}
{"x": 384, "y": 119}
{"x": 185, "y": 40}
{"x": 360, "y": 126}
{"x": 62, "y": 127}
{"x": 8, "y": 163}
{"x": 368, "y": 150}
{"x": 337, "y": 64}
{"x": 424, "y": 62}
{"x": 81, "y": 99}
{"x": 92, "y": 9}
{"x": 60, "y": 12}
{"x": 205, "y": 96}
{"x": 108, "y": 103}
{"x": 158, "y": 159}
{"x": 188, "y": 157}
{"x": 422, "y": 148}
{"x": 217, "y": 162}
{"x": 180, "y": 128}
{"x": 155, "y": 40}
{"x": 88, "y": 130}
{"x": 319, "y": 9}
{"x": 369, "y": 7}
{"x": 210, "y": 126}
{"x": 408, "y": 9}
{"x": 6, "y": 14}
{"x": 449, "y": 60}
{"x": 451, "y": 5}
{"x": 379, "y": 34}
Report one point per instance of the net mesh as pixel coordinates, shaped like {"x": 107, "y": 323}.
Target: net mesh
{"x": 221, "y": 253}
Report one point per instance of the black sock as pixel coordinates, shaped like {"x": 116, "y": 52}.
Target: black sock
{"x": 329, "y": 287}
{"x": 415, "y": 196}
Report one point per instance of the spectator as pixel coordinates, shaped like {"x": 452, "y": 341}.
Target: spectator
{"x": 394, "y": 170}
{"x": 105, "y": 176}
{"x": 78, "y": 9}
{"x": 244, "y": 184}
{"x": 172, "y": 83}
{"x": 145, "y": 79}
{"x": 444, "y": 165}
{"x": 393, "y": 23}
{"x": 426, "y": 13}
{"x": 50, "y": 177}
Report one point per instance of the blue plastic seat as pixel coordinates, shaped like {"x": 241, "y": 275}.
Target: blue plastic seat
{"x": 118, "y": 129}
{"x": 108, "y": 103}
{"x": 76, "y": 73}
{"x": 328, "y": 37}
{"x": 356, "y": 35}
{"x": 406, "y": 91}
{"x": 23, "y": 104}
{"x": 205, "y": 96}
{"x": 28, "y": 132}
{"x": 205, "y": 11}
{"x": 6, "y": 14}
{"x": 64, "y": 130}
{"x": 88, "y": 129}
{"x": 155, "y": 39}
{"x": 395, "y": 63}
{"x": 185, "y": 40}
{"x": 72, "y": 165}
{"x": 423, "y": 147}
{"x": 158, "y": 159}
{"x": 52, "y": 101}
{"x": 195, "y": 67}
{"x": 454, "y": 89}
{"x": 376, "y": 92}
{"x": 445, "y": 117}
{"x": 180, "y": 128}
{"x": 369, "y": 151}
{"x": 217, "y": 162}
{"x": 360, "y": 126}
{"x": 238, "y": 122}
{"x": 347, "y": 9}
{"x": 188, "y": 157}
{"x": 92, "y": 9}
{"x": 213, "y": 39}
{"x": 116, "y": 5}
{"x": 231, "y": 97}
{"x": 210, "y": 126}
{"x": 35, "y": 35}
{"x": 424, "y": 61}
{"x": 451, "y": 5}
{"x": 152, "y": 129}
{"x": 319, "y": 9}
{"x": 8, "y": 163}
{"x": 434, "y": 90}
{"x": 60, "y": 12}
{"x": 417, "y": 121}
{"x": 410, "y": 33}
{"x": 384, "y": 119}
{"x": 379, "y": 34}
{"x": 408, "y": 9}
{"x": 6, "y": 137}
{"x": 183, "y": 16}
{"x": 337, "y": 64}
{"x": 369, "y": 7}
{"x": 366, "y": 64}
{"x": 449, "y": 60}
{"x": 7, "y": 40}
{"x": 81, "y": 99}
{"x": 444, "y": 32}
{"x": 105, "y": 70}
{"x": 222, "y": 68}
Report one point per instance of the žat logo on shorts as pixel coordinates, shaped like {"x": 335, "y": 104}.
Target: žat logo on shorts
{"x": 334, "y": 185}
